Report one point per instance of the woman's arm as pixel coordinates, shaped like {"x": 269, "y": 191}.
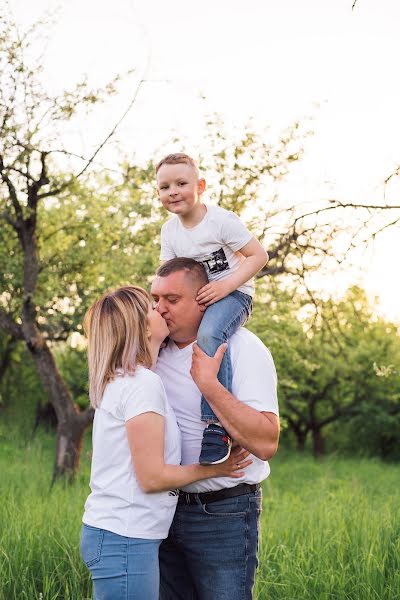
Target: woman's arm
{"x": 146, "y": 442}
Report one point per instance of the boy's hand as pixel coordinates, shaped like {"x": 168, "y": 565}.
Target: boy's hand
{"x": 212, "y": 292}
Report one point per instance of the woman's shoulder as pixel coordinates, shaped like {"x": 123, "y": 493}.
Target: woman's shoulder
{"x": 127, "y": 383}
{"x": 141, "y": 376}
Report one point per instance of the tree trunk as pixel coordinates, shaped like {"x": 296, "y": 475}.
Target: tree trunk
{"x": 68, "y": 446}
{"x": 318, "y": 443}
{"x": 6, "y": 357}
{"x": 301, "y": 437}
{"x": 71, "y": 423}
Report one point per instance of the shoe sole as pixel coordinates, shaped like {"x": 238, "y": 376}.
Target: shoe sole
{"x": 218, "y": 462}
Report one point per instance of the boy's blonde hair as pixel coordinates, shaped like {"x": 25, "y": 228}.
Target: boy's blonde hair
{"x": 116, "y": 326}
{"x": 177, "y": 159}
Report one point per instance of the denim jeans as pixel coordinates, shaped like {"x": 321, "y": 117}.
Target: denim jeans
{"x": 122, "y": 568}
{"x": 219, "y": 322}
{"x": 211, "y": 550}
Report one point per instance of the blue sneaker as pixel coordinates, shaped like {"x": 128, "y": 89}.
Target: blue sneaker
{"x": 216, "y": 445}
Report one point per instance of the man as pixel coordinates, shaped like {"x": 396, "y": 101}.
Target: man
{"x": 211, "y": 551}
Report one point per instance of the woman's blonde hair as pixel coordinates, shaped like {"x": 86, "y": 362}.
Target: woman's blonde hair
{"x": 116, "y": 326}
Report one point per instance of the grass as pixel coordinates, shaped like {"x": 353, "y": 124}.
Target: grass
{"x": 329, "y": 530}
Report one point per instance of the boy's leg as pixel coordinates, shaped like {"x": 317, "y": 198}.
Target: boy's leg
{"x": 220, "y": 321}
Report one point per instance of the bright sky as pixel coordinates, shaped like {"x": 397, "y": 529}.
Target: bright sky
{"x": 274, "y": 61}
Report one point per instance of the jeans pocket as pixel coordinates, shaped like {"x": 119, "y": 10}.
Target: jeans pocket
{"x": 231, "y": 507}
{"x": 91, "y": 544}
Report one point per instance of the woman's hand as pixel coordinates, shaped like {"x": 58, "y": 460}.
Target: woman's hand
{"x": 234, "y": 466}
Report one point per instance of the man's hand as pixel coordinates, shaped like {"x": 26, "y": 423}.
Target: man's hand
{"x": 205, "y": 368}
{"x": 212, "y": 292}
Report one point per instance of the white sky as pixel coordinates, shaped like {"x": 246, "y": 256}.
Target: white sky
{"x": 274, "y": 61}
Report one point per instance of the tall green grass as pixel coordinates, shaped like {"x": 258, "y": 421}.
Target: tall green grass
{"x": 329, "y": 530}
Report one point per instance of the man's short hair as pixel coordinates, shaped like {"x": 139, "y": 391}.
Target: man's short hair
{"x": 194, "y": 269}
{"x": 177, "y": 159}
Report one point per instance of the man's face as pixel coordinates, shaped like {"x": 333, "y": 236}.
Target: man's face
{"x": 179, "y": 187}
{"x": 175, "y": 299}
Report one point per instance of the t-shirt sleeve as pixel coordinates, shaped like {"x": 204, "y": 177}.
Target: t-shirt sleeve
{"x": 167, "y": 251}
{"x": 146, "y": 396}
{"x": 234, "y": 233}
{"x": 254, "y": 379}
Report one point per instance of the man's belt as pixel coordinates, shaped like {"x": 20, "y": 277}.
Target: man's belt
{"x": 207, "y": 497}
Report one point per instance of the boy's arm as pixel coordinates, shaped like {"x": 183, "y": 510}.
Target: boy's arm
{"x": 255, "y": 259}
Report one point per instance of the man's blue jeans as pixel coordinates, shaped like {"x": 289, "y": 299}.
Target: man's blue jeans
{"x": 219, "y": 322}
{"x": 211, "y": 550}
{"x": 122, "y": 568}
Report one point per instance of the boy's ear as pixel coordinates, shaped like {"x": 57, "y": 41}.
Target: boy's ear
{"x": 201, "y": 186}
{"x": 158, "y": 191}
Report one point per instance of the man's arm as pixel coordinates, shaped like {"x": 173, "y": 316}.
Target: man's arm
{"x": 253, "y": 430}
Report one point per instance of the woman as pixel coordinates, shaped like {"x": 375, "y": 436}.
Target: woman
{"x": 136, "y": 449}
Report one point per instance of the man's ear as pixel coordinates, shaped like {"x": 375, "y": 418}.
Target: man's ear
{"x": 201, "y": 186}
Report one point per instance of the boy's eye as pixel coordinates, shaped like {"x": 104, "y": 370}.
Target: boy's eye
{"x": 182, "y": 183}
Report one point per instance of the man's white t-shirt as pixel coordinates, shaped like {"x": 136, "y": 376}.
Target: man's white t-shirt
{"x": 215, "y": 242}
{"x": 254, "y": 383}
{"x": 117, "y": 503}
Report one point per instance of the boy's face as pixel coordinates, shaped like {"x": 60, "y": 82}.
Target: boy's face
{"x": 179, "y": 188}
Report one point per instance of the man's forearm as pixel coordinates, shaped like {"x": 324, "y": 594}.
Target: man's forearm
{"x": 253, "y": 430}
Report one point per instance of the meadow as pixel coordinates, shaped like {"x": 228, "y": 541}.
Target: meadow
{"x": 330, "y": 529}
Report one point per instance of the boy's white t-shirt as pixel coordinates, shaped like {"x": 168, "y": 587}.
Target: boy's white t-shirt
{"x": 117, "y": 503}
{"x": 254, "y": 382}
{"x": 215, "y": 242}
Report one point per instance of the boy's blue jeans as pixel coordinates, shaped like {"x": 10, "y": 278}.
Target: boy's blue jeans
{"x": 122, "y": 568}
{"x": 219, "y": 322}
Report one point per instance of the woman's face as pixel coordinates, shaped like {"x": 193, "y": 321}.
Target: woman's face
{"x": 158, "y": 326}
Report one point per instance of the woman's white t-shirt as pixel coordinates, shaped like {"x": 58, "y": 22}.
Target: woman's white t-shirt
{"x": 117, "y": 503}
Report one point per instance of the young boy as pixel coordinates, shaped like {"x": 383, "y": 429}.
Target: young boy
{"x": 231, "y": 256}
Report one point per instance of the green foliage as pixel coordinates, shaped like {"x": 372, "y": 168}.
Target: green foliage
{"x": 335, "y": 361}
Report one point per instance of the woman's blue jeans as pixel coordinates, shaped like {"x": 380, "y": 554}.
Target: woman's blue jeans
{"x": 219, "y": 322}
{"x": 122, "y": 568}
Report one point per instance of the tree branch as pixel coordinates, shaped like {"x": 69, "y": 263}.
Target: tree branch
{"x": 8, "y": 325}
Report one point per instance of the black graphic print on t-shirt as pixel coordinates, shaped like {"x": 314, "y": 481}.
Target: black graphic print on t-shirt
{"x": 216, "y": 262}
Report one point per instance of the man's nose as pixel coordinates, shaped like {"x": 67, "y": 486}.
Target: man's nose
{"x": 160, "y": 307}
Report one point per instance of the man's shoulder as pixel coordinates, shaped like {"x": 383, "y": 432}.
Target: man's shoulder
{"x": 245, "y": 344}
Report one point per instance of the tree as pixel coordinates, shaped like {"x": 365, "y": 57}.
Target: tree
{"x": 328, "y": 363}
{"x": 34, "y": 189}
{"x": 68, "y": 232}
